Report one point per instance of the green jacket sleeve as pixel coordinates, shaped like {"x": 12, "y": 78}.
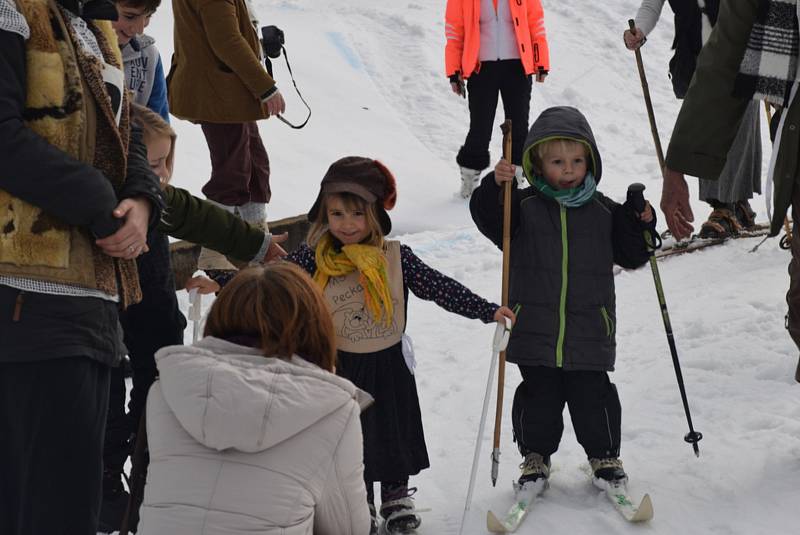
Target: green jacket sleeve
{"x": 710, "y": 114}
{"x": 198, "y": 221}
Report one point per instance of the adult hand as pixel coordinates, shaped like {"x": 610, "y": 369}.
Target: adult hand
{"x": 203, "y": 284}
{"x": 275, "y": 251}
{"x": 274, "y": 105}
{"x": 504, "y": 172}
{"x": 505, "y": 312}
{"x": 675, "y": 204}
{"x": 457, "y": 85}
{"x": 633, "y": 39}
{"x": 131, "y": 239}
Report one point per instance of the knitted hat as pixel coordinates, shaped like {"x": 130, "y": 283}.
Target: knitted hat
{"x": 364, "y": 177}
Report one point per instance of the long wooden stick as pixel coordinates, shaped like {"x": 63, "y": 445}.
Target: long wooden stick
{"x": 501, "y": 369}
{"x": 649, "y": 103}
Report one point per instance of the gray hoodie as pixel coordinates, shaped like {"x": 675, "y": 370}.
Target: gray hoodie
{"x": 144, "y": 74}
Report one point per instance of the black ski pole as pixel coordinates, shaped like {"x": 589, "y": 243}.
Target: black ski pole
{"x": 139, "y": 461}
{"x": 636, "y": 197}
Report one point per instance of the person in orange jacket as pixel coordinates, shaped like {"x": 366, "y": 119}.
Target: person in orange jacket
{"x": 497, "y": 46}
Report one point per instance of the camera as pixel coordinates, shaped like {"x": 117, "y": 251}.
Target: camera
{"x": 272, "y": 41}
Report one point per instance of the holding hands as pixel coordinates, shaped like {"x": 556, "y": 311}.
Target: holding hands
{"x": 275, "y": 251}
{"x": 130, "y": 240}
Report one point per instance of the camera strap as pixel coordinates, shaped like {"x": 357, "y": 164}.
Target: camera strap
{"x": 291, "y": 75}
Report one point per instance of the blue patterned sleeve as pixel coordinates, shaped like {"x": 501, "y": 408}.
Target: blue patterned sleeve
{"x": 431, "y": 285}
{"x": 304, "y": 257}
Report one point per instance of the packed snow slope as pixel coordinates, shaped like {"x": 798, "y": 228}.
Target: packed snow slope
{"x": 372, "y": 72}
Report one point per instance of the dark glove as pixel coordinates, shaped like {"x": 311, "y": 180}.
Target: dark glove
{"x": 628, "y": 206}
{"x": 456, "y": 79}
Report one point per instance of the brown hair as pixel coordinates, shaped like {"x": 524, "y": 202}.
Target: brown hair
{"x": 153, "y": 125}
{"x": 351, "y": 201}
{"x": 149, "y": 6}
{"x": 280, "y": 305}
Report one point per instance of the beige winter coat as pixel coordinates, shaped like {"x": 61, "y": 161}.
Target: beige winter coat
{"x": 243, "y": 444}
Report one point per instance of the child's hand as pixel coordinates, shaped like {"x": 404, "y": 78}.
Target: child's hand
{"x": 275, "y": 251}
{"x": 503, "y": 172}
{"x": 505, "y": 312}
{"x": 647, "y": 215}
{"x": 203, "y": 284}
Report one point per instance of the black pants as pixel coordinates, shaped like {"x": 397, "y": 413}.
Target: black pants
{"x": 148, "y": 326}
{"x": 593, "y": 406}
{"x": 52, "y": 418}
{"x": 507, "y": 79}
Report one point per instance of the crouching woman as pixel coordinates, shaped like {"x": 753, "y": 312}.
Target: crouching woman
{"x": 249, "y": 430}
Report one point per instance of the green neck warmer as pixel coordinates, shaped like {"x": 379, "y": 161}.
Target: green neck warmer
{"x": 571, "y": 198}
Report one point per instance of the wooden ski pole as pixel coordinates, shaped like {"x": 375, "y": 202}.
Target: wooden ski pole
{"x": 501, "y": 367}
{"x": 648, "y": 103}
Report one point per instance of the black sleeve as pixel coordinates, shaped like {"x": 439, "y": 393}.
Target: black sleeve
{"x": 140, "y": 181}
{"x": 36, "y": 171}
{"x": 486, "y": 208}
{"x": 630, "y": 249}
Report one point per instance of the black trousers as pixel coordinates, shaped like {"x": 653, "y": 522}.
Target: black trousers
{"x": 507, "y": 79}
{"x": 148, "y": 326}
{"x": 593, "y": 403}
{"x": 52, "y": 418}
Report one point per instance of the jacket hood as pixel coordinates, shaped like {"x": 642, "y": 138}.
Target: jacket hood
{"x": 230, "y": 396}
{"x": 562, "y": 122}
{"x": 135, "y": 47}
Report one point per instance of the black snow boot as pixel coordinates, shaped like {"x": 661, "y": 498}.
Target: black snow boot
{"x": 115, "y": 501}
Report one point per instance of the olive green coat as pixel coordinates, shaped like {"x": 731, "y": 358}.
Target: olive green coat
{"x": 199, "y": 221}
{"x": 710, "y": 115}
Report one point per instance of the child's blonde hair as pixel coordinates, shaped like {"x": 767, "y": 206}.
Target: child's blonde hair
{"x": 534, "y": 157}
{"x": 351, "y": 202}
{"x": 153, "y": 125}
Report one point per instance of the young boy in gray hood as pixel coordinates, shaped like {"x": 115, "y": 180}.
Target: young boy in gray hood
{"x": 144, "y": 72}
{"x": 565, "y": 238}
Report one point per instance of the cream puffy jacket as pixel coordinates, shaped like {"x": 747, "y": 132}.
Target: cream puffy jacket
{"x": 243, "y": 444}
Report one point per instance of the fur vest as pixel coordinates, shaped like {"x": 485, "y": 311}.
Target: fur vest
{"x": 72, "y": 110}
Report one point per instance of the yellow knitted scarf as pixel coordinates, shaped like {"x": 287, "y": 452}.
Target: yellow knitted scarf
{"x": 370, "y": 262}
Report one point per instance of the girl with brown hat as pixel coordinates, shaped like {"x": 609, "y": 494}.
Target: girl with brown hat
{"x": 365, "y": 279}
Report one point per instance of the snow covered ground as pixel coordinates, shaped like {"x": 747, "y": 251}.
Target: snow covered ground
{"x": 373, "y": 74}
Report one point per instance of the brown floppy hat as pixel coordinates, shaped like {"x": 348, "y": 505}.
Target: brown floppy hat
{"x": 364, "y": 177}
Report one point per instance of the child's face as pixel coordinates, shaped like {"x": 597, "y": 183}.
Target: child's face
{"x": 158, "y": 149}
{"x": 131, "y": 22}
{"x": 349, "y": 226}
{"x": 564, "y": 165}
